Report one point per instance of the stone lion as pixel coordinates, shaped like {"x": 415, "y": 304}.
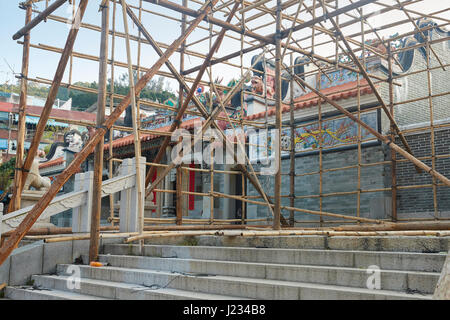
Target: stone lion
{"x": 34, "y": 179}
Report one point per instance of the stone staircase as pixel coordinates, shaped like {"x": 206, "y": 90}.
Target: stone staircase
{"x": 227, "y": 273}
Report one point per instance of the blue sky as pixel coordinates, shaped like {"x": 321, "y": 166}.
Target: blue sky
{"x": 43, "y": 64}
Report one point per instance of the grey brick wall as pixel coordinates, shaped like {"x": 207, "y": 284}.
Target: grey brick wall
{"x": 373, "y": 204}
{"x": 420, "y": 202}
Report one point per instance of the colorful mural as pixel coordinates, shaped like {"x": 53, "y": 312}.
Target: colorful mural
{"x": 334, "y": 133}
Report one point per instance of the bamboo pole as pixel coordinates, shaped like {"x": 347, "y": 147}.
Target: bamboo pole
{"x": 169, "y": 234}
{"x": 292, "y": 151}
{"x": 37, "y": 210}
{"x": 136, "y": 125}
{"x": 111, "y": 107}
{"x": 432, "y": 134}
{"x": 433, "y": 225}
{"x": 358, "y": 84}
{"x": 278, "y": 113}
{"x": 393, "y": 154}
{"x": 21, "y": 126}
{"x": 98, "y": 153}
{"x": 330, "y": 233}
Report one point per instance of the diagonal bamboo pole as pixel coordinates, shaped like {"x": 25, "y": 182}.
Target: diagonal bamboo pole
{"x": 370, "y": 82}
{"x": 43, "y": 15}
{"x": 52, "y": 94}
{"x": 37, "y": 210}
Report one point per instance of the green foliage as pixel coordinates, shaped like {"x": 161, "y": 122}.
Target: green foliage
{"x": 47, "y": 148}
{"x": 156, "y": 90}
{"x": 190, "y": 241}
{"x": 7, "y": 174}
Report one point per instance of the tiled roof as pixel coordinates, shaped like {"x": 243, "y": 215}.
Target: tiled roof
{"x": 34, "y": 110}
{"x": 345, "y": 91}
{"x": 127, "y": 140}
{"x": 336, "y": 93}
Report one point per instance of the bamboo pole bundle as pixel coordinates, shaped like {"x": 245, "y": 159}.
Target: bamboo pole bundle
{"x": 431, "y": 225}
{"x": 274, "y": 233}
{"x": 332, "y": 233}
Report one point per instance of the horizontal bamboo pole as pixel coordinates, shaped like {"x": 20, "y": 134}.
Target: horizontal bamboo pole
{"x": 291, "y": 232}
{"x": 432, "y": 225}
{"x": 320, "y": 213}
{"x": 146, "y": 235}
{"x": 332, "y": 233}
{"x": 87, "y": 236}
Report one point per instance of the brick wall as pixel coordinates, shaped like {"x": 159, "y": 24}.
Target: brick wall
{"x": 420, "y": 202}
{"x": 373, "y": 204}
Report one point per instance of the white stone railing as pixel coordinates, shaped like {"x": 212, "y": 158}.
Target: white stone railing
{"x": 80, "y": 200}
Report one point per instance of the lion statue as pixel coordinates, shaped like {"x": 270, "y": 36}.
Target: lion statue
{"x": 34, "y": 179}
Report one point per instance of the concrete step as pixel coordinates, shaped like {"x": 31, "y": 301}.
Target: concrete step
{"x": 407, "y": 261}
{"x": 252, "y": 288}
{"x": 24, "y": 293}
{"x": 342, "y": 276}
{"x": 124, "y": 291}
{"x": 421, "y": 244}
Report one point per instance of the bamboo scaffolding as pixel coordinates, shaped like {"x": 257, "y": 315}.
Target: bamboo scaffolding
{"x": 37, "y": 210}
{"x": 250, "y": 26}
